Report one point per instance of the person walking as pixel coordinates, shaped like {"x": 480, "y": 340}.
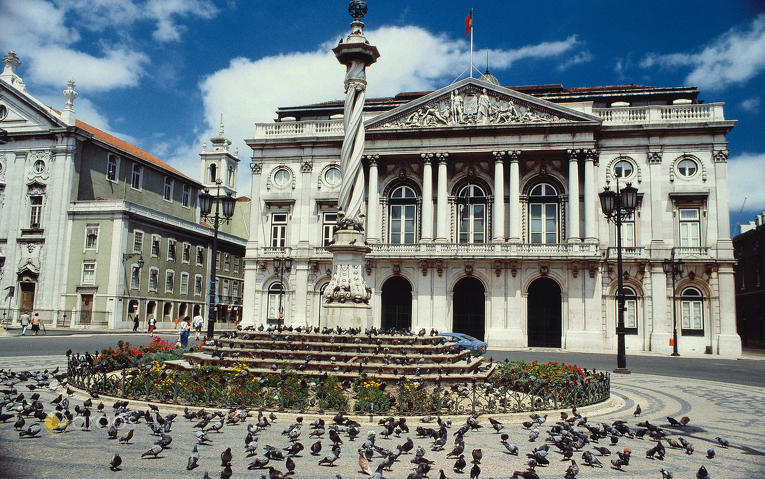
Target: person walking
{"x": 36, "y": 323}
{"x": 24, "y": 320}
{"x": 135, "y": 322}
{"x": 198, "y": 322}
{"x": 152, "y": 323}
{"x": 185, "y": 331}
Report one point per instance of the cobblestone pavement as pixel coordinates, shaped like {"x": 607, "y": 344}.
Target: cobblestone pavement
{"x": 736, "y": 412}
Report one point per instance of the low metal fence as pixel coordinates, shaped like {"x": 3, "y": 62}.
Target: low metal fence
{"x": 238, "y": 388}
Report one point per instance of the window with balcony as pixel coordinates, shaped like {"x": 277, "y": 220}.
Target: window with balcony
{"x": 692, "y": 312}
{"x": 630, "y": 310}
{"x": 544, "y": 214}
{"x": 275, "y": 309}
{"x": 328, "y": 224}
{"x": 91, "y": 237}
{"x": 628, "y": 232}
{"x": 111, "y": 168}
{"x": 156, "y": 247}
{"x": 403, "y": 215}
{"x": 89, "y": 272}
{"x": 279, "y": 230}
{"x": 690, "y": 227}
{"x": 471, "y": 214}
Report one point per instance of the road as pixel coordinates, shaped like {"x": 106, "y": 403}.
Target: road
{"x": 749, "y": 372}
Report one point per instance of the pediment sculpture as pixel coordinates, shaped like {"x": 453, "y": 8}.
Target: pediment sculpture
{"x": 472, "y": 105}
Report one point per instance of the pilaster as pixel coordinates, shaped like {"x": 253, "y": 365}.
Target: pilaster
{"x": 515, "y": 195}
{"x": 499, "y": 197}
{"x": 427, "y": 196}
{"x": 573, "y": 196}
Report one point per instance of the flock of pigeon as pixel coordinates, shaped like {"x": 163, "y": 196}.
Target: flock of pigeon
{"x": 579, "y": 443}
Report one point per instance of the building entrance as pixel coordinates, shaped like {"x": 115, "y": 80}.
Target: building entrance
{"x": 396, "y": 304}
{"x": 544, "y": 314}
{"x": 469, "y": 306}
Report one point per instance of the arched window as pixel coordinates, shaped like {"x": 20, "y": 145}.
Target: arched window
{"x": 692, "y": 312}
{"x": 543, "y": 214}
{"x": 403, "y": 215}
{"x": 471, "y": 211}
{"x": 213, "y": 173}
{"x": 275, "y": 303}
{"x": 630, "y": 310}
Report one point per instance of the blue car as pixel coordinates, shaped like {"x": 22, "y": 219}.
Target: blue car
{"x": 464, "y": 341}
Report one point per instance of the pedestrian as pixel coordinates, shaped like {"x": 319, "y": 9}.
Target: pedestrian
{"x": 135, "y": 322}
{"x": 198, "y": 322}
{"x": 152, "y": 323}
{"x": 36, "y": 323}
{"x": 185, "y": 331}
{"x": 24, "y": 320}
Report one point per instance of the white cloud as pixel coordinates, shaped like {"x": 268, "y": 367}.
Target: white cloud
{"x": 249, "y": 91}
{"x": 581, "y": 57}
{"x": 733, "y": 58}
{"x": 751, "y": 104}
{"x": 116, "y": 69}
{"x": 745, "y": 180}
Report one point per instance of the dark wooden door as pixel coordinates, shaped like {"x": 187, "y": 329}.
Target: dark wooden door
{"x": 469, "y": 306}
{"x": 397, "y": 304}
{"x": 86, "y": 308}
{"x": 27, "y": 300}
{"x": 544, "y": 314}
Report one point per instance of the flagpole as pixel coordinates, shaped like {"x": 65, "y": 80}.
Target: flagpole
{"x": 471, "y": 43}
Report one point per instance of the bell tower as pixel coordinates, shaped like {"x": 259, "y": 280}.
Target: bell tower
{"x": 219, "y": 164}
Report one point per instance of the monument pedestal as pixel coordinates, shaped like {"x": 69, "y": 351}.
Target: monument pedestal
{"x": 346, "y": 297}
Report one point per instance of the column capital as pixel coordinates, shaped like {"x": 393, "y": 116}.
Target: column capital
{"x": 590, "y": 154}
{"x": 720, "y": 156}
{"x": 372, "y": 159}
{"x": 654, "y": 157}
{"x": 499, "y": 155}
{"x": 442, "y": 157}
{"x": 573, "y": 154}
{"x": 256, "y": 167}
{"x": 513, "y": 155}
{"x": 427, "y": 158}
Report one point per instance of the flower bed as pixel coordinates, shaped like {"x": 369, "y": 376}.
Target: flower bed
{"x": 126, "y": 355}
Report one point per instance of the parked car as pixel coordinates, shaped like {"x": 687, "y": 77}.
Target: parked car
{"x": 464, "y": 341}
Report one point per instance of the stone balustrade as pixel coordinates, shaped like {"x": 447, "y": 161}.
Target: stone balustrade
{"x": 690, "y": 113}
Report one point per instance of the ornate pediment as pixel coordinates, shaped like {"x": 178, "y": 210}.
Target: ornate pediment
{"x": 471, "y": 102}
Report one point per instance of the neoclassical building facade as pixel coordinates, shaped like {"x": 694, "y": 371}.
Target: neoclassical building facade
{"x": 483, "y": 215}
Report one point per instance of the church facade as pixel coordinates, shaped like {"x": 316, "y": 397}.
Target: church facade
{"x": 483, "y": 216}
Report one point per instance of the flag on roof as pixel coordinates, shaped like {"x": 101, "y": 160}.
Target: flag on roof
{"x": 469, "y": 22}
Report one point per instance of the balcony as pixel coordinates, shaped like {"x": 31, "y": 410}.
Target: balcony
{"x": 691, "y": 252}
{"x": 628, "y": 252}
{"x": 478, "y": 251}
{"x": 299, "y": 128}
{"x": 691, "y": 113}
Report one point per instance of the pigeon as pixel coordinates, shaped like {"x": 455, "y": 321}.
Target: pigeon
{"x": 225, "y": 457}
{"x": 290, "y": 465}
{"x": 710, "y": 453}
{"x": 604, "y": 451}
{"x": 126, "y": 438}
{"x": 316, "y": 448}
{"x": 329, "y": 459}
{"x": 591, "y": 460}
{"x": 665, "y": 474}
{"x": 475, "y": 471}
{"x": 363, "y": 463}
{"x": 496, "y": 424}
{"x": 226, "y": 473}
{"x": 638, "y": 411}
{"x": 154, "y": 451}
{"x": 114, "y": 465}
{"x": 460, "y": 464}
{"x": 477, "y": 455}
{"x": 259, "y": 463}
{"x": 31, "y": 431}
{"x": 193, "y": 459}
{"x": 702, "y": 473}
{"x": 722, "y": 442}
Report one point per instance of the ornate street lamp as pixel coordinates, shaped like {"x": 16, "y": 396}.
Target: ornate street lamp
{"x": 225, "y": 203}
{"x": 618, "y": 206}
{"x": 280, "y": 266}
{"x": 674, "y": 268}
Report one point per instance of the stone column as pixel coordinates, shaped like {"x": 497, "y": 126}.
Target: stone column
{"x": 515, "y": 197}
{"x": 443, "y": 200}
{"x": 373, "y": 202}
{"x": 661, "y": 296}
{"x": 728, "y": 342}
{"x": 658, "y": 194}
{"x": 251, "y": 289}
{"x": 427, "y": 197}
{"x": 499, "y": 197}
{"x": 572, "y": 233}
{"x": 590, "y": 204}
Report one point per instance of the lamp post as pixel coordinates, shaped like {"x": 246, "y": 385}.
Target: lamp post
{"x": 226, "y": 203}
{"x": 281, "y": 265}
{"x": 617, "y": 206}
{"x": 674, "y": 268}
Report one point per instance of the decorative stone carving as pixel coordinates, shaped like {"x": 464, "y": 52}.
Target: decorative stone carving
{"x": 397, "y": 269}
{"x": 514, "y": 268}
{"x": 257, "y": 168}
{"x": 720, "y": 156}
{"x": 347, "y": 285}
{"x": 544, "y": 269}
{"x": 498, "y": 268}
{"x": 306, "y": 166}
{"x": 654, "y": 157}
{"x": 472, "y": 105}
{"x": 424, "y": 267}
{"x": 440, "y": 268}
{"x": 575, "y": 269}
{"x": 469, "y": 269}
{"x": 368, "y": 267}
{"x": 38, "y": 166}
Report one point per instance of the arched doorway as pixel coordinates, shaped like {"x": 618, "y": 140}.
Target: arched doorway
{"x": 167, "y": 312}
{"x": 183, "y": 311}
{"x": 397, "y": 304}
{"x": 469, "y": 308}
{"x": 321, "y": 303}
{"x": 544, "y": 314}
{"x": 197, "y": 309}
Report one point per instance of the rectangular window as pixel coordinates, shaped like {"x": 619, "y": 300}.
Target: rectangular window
{"x": 35, "y": 212}
{"x": 137, "y": 241}
{"x": 89, "y": 272}
{"x": 198, "y": 285}
{"x": 156, "y": 240}
{"x": 169, "y": 281}
{"x": 402, "y": 223}
{"x": 91, "y": 237}
{"x": 186, "y": 258}
{"x": 186, "y": 199}
{"x": 628, "y": 232}
{"x": 544, "y": 223}
{"x": 111, "y": 169}
{"x": 153, "y": 279}
{"x": 279, "y": 230}
{"x": 225, "y": 287}
{"x": 226, "y": 261}
{"x": 200, "y": 255}
{"x": 692, "y": 315}
{"x": 630, "y": 313}
{"x": 135, "y": 277}
{"x": 137, "y": 181}
{"x": 329, "y": 222}
{"x": 184, "y": 283}
{"x": 235, "y": 289}
{"x": 217, "y": 260}
{"x": 168, "y": 194}
{"x": 236, "y": 264}
{"x": 170, "y": 249}
{"x": 690, "y": 227}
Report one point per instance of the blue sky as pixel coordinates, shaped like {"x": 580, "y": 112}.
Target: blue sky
{"x": 160, "y": 72}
